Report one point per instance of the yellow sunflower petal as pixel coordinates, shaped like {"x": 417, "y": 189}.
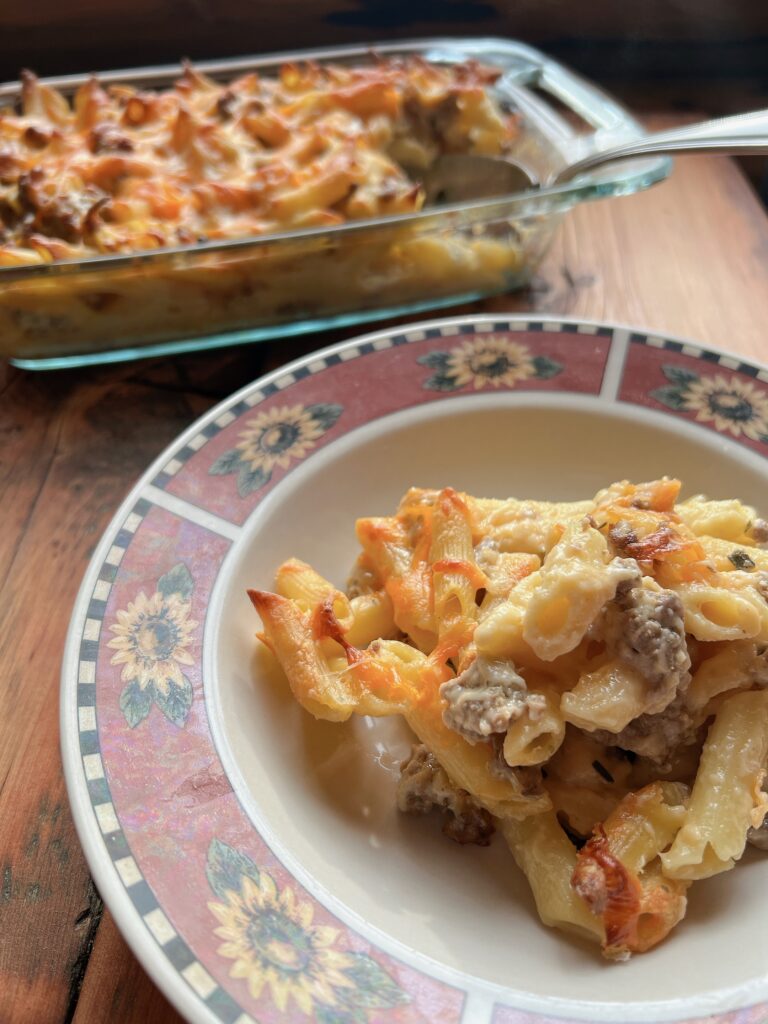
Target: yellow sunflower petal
{"x": 231, "y": 950}
{"x": 319, "y": 991}
{"x": 260, "y": 461}
{"x": 287, "y": 902}
{"x": 160, "y": 682}
{"x": 256, "y": 982}
{"x": 724, "y": 425}
{"x": 279, "y": 987}
{"x": 175, "y": 608}
{"x": 231, "y": 934}
{"x": 235, "y": 900}
{"x": 170, "y": 670}
{"x": 251, "y": 892}
{"x": 236, "y": 923}
{"x": 268, "y": 889}
{"x": 144, "y": 677}
{"x": 230, "y": 914}
{"x": 302, "y": 997}
{"x": 304, "y": 914}
{"x": 329, "y": 980}
{"x": 243, "y": 968}
{"x": 123, "y": 654}
{"x": 324, "y": 935}
{"x": 753, "y": 430}
{"x": 220, "y": 911}
{"x": 332, "y": 961}
{"x": 233, "y": 926}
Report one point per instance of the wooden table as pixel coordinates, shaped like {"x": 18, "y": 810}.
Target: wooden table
{"x": 690, "y": 257}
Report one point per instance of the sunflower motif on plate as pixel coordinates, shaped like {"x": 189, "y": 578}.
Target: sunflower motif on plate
{"x": 490, "y": 360}
{"x": 732, "y": 405}
{"x": 279, "y": 951}
{"x": 152, "y": 640}
{"x": 274, "y": 438}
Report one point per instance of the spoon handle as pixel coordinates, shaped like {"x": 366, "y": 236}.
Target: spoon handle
{"x": 740, "y": 133}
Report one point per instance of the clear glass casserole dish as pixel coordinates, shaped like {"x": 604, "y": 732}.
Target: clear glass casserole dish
{"x": 114, "y": 307}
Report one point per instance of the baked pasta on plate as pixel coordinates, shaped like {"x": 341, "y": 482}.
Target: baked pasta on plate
{"x": 589, "y": 678}
{"x": 572, "y": 682}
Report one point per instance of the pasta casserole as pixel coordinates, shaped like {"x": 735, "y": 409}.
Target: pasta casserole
{"x": 589, "y": 679}
{"x": 130, "y": 216}
{"x": 123, "y": 169}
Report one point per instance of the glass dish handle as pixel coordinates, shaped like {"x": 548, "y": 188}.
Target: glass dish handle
{"x": 609, "y": 122}
{"x": 584, "y": 99}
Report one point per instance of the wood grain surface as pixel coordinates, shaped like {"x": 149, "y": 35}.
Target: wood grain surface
{"x": 689, "y": 257}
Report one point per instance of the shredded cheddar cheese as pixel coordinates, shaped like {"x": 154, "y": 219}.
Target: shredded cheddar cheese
{"x": 121, "y": 170}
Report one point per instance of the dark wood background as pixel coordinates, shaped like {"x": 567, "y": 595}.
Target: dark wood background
{"x": 689, "y": 258}
{"x": 673, "y": 55}
{"x": 700, "y": 54}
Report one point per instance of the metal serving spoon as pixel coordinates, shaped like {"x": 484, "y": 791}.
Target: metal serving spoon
{"x": 454, "y": 178}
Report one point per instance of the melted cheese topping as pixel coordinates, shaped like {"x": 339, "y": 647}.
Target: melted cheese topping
{"x": 121, "y": 170}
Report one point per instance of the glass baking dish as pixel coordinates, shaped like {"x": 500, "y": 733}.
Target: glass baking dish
{"x": 109, "y": 308}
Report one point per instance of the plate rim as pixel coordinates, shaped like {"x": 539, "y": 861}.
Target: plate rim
{"x": 115, "y": 896}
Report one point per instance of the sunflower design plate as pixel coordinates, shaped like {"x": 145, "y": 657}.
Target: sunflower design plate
{"x": 253, "y": 857}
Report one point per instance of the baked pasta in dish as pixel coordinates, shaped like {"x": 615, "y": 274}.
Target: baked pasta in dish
{"x": 589, "y": 678}
{"x": 123, "y": 170}
{"x": 202, "y": 167}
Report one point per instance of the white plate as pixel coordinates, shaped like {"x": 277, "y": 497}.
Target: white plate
{"x": 252, "y": 856}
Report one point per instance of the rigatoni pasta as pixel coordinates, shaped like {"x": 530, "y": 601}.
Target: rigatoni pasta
{"x": 591, "y": 678}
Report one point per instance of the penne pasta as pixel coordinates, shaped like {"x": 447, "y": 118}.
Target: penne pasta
{"x": 300, "y": 583}
{"x": 499, "y": 633}
{"x": 727, "y": 798}
{"x": 471, "y": 767}
{"x": 726, "y": 554}
{"x": 618, "y": 873}
{"x": 373, "y": 618}
{"x": 406, "y": 576}
{"x": 532, "y": 527}
{"x": 539, "y": 731}
{"x": 313, "y": 681}
{"x": 715, "y": 613}
{"x": 576, "y": 580}
{"x": 728, "y": 520}
{"x": 609, "y": 697}
{"x": 385, "y": 544}
{"x": 547, "y": 858}
{"x": 455, "y": 575}
{"x": 737, "y": 666}
{"x": 559, "y": 665}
